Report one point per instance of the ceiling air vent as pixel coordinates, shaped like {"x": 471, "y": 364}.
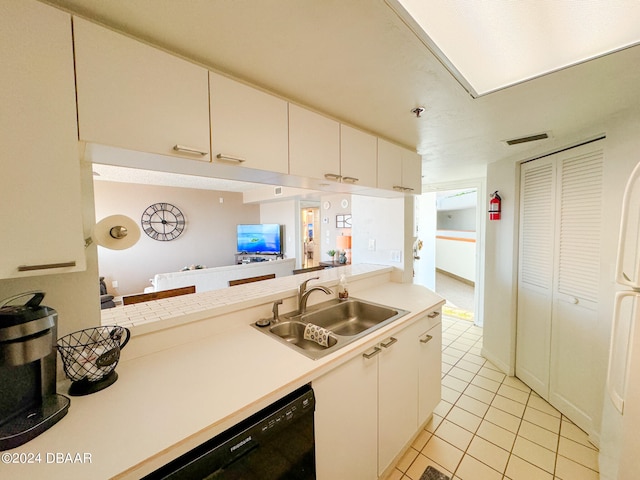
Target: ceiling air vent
{"x": 530, "y": 138}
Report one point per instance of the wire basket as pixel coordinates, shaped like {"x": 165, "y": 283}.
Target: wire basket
{"x": 93, "y": 353}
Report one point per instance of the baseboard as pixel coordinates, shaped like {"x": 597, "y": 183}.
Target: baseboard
{"x": 456, "y": 277}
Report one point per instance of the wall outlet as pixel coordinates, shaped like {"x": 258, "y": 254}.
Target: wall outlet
{"x": 372, "y": 244}
{"x": 114, "y": 284}
{"x": 395, "y": 256}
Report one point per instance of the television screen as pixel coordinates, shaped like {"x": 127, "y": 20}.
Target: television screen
{"x": 261, "y": 238}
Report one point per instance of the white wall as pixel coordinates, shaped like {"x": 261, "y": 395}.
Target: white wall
{"x": 463, "y": 219}
{"x": 389, "y": 224}
{"x": 209, "y": 237}
{"x": 500, "y": 273}
{"x": 457, "y": 257}
{"x": 328, "y": 230}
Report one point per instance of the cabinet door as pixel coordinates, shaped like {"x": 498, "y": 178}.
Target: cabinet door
{"x": 429, "y": 372}
{"x": 389, "y": 165}
{"x": 346, "y": 421}
{"x": 248, "y": 124}
{"x": 137, "y": 97}
{"x": 397, "y": 393}
{"x": 358, "y": 157}
{"x": 40, "y": 179}
{"x": 411, "y": 172}
{"x": 314, "y": 144}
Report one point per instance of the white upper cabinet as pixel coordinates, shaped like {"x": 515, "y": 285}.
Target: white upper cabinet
{"x": 248, "y": 126}
{"x": 411, "y": 171}
{"x": 40, "y": 179}
{"x": 358, "y": 157}
{"x": 398, "y": 168}
{"x": 314, "y": 144}
{"x": 134, "y": 96}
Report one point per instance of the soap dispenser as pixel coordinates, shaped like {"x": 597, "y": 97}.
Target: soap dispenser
{"x": 343, "y": 289}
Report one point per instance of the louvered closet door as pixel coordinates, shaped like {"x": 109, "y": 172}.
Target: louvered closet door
{"x": 535, "y": 274}
{"x": 573, "y": 389}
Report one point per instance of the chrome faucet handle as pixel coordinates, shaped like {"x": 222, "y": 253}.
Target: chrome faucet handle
{"x": 276, "y": 315}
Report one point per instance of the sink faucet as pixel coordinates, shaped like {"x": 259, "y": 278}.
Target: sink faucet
{"x": 303, "y": 294}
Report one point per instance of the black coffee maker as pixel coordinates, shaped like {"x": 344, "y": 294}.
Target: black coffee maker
{"x": 29, "y": 404}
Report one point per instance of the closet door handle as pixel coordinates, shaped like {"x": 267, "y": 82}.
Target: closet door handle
{"x": 185, "y": 149}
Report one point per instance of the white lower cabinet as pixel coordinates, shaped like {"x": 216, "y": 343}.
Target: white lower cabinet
{"x": 369, "y": 408}
{"x": 429, "y": 378}
{"x": 346, "y": 421}
{"x": 397, "y": 393}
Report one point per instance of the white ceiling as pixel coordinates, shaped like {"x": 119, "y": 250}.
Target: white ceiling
{"x": 357, "y": 61}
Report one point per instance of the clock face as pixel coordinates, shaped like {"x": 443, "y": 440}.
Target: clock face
{"x": 163, "y": 221}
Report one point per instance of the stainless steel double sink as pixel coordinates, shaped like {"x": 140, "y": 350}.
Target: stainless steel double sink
{"x": 347, "y": 321}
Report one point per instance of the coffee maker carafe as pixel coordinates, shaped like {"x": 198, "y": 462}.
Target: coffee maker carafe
{"x": 29, "y": 404}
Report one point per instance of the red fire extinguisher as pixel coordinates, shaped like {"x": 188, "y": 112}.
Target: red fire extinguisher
{"x": 494, "y": 206}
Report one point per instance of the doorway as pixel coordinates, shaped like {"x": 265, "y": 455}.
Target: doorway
{"x": 446, "y": 250}
{"x": 310, "y": 234}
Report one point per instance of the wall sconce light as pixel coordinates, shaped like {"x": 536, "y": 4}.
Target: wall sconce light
{"x": 116, "y": 232}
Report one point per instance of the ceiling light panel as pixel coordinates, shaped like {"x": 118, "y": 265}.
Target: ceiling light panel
{"x": 493, "y": 44}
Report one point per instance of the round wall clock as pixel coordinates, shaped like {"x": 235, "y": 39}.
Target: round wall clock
{"x": 162, "y": 221}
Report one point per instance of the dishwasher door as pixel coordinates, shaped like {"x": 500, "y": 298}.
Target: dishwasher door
{"x": 275, "y": 443}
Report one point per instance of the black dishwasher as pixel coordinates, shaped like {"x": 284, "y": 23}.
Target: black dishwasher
{"x": 275, "y": 443}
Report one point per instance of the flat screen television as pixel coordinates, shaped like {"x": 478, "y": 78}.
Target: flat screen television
{"x": 260, "y": 238}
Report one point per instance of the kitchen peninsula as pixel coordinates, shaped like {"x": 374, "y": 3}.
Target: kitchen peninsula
{"x": 184, "y": 379}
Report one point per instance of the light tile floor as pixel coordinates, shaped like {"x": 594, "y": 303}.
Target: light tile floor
{"x": 489, "y": 426}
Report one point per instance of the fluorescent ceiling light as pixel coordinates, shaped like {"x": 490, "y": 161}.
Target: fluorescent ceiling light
{"x": 489, "y": 45}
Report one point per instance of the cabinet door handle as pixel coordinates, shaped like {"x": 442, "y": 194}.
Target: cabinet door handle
{"x": 426, "y": 339}
{"x": 387, "y": 343}
{"x": 332, "y": 176}
{"x": 30, "y": 268}
{"x": 184, "y": 149}
{"x": 350, "y": 179}
{"x": 372, "y": 353}
{"x": 398, "y": 188}
{"x": 230, "y": 158}
{"x": 433, "y": 314}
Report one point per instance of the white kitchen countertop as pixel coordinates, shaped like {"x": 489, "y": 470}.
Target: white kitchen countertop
{"x": 169, "y": 401}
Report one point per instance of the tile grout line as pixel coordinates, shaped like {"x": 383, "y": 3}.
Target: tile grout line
{"x": 483, "y": 418}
